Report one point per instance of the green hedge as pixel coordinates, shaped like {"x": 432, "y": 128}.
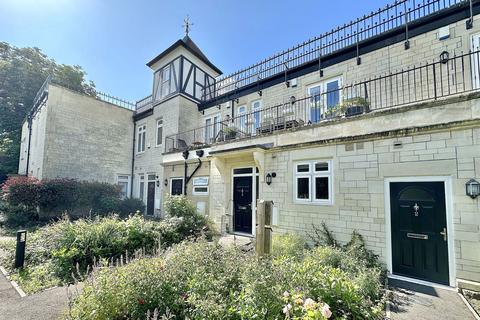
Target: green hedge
{"x": 52, "y": 198}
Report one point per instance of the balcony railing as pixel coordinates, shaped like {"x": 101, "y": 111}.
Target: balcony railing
{"x": 397, "y": 15}
{"x": 144, "y": 103}
{"x": 43, "y": 92}
{"x": 428, "y": 82}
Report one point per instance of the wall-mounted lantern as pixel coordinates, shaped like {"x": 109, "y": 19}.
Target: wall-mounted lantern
{"x": 293, "y": 100}
{"x": 185, "y": 154}
{"x": 473, "y": 188}
{"x": 268, "y": 178}
{"x": 165, "y": 182}
{"x": 444, "y": 57}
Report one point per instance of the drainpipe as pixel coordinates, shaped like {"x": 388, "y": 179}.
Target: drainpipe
{"x": 29, "y": 120}
{"x": 133, "y": 157}
{"x": 186, "y": 178}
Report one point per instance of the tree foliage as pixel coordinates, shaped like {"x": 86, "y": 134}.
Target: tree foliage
{"x": 22, "y": 73}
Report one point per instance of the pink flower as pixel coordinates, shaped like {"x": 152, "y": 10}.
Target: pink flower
{"x": 326, "y": 311}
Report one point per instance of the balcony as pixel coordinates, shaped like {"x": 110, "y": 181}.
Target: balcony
{"x": 396, "y": 17}
{"x": 144, "y": 104}
{"x": 428, "y": 82}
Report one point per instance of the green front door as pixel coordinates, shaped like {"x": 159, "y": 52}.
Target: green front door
{"x": 419, "y": 230}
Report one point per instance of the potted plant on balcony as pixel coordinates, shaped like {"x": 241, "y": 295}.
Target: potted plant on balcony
{"x": 354, "y": 106}
{"x": 230, "y": 133}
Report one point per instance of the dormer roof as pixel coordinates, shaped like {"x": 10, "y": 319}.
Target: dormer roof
{"x": 188, "y": 44}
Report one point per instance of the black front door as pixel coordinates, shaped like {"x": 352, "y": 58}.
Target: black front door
{"x": 242, "y": 204}
{"x": 419, "y": 226}
{"x": 150, "y": 197}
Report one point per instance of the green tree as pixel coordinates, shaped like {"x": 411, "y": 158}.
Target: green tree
{"x": 22, "y": 73}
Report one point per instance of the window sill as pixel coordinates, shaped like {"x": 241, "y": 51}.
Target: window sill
{"x": 314, "y": 203}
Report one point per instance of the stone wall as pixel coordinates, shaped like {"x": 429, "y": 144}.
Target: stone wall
{"x": 85, "y": 138}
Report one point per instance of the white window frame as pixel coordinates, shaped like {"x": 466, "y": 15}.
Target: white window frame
{"x": 171, "y": 184}
{"x": 165, "y": 84}
{"x": 159, "y": 126}
{"x": 141, "y": 138}
{"x": 121, "y": 179}
{"x": 323, "y": 89}
{"x": 212, "y": 132}
{"x": 140, "y": 181}
{"x": 258, "y": 109}
{"x": 197, "y": 184}
{"x": 311, "y": 175}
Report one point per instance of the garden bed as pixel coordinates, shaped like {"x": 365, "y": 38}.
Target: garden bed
{"x": 203, "y": 280}
{"x": 65, "y": 251}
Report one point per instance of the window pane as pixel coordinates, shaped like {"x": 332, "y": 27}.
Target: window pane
{"x": 141, "y": 191}
{"x": 242, "y": 170}
{"x": 321, "y": 166}
{"x": 321, "y": 188}
{"x": 143, "y": 141}
{"x": 177, "y": 187}
{"x": 303, "y": 168}
{"x": 333, "y": 94}
{"x": 159, "y": 135}
{"x": 151, "y": 177}
{"x": 303, "y": 186}
{"x": 123, "y": 189}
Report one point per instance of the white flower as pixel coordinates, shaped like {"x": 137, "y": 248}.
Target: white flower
{"x": 286, "y": 294}
{"x": 309, "y": 304}
{"x": 287, "y": 308}
{"x": 326, "y": 311}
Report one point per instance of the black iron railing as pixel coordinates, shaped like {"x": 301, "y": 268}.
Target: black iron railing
{"x": 42, "y": 93}
{"x": 428, "y": 82}
{"x": 144, "y": 103}
{"x": 397, "y": 15}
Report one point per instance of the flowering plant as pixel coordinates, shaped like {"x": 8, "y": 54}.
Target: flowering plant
{"x": 299, "y": 308}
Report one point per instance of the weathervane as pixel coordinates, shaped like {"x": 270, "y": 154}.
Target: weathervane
{"x": 187, "y": 25}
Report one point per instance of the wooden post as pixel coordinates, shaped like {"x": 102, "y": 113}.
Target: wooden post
{"x": 268, "y": 211}
{"x": 260, "y": 228}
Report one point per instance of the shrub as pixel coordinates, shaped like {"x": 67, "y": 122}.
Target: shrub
{"x": 288, "y": 245}
{"x": 52, "y": 198}
{"x": 67, "y": 247}
{"x": 201, "y": 280}
{"x": 130, "y": 206}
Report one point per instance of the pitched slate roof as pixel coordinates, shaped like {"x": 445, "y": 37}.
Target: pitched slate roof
{"x": 188, "y": 44}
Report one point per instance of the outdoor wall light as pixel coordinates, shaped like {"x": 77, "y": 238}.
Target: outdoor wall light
{"x": 165, "y": 182}
{"x": 185, "y": 154}
{"x": 444, "y": 56}
{"x": 269, "y": 176}
{"x": 293, "y": 100}
{"x": 200, "y": 153}
{"x": 473, "y": 188}
{"x": 268, "y": 179}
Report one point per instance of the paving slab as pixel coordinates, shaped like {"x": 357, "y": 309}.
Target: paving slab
{"x": 415, "y": 301}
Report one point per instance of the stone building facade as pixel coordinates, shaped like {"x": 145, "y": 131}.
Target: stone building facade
{"x": 375, "y": 131}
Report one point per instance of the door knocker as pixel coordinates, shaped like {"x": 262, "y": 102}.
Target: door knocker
{"x": 415, "y": 209}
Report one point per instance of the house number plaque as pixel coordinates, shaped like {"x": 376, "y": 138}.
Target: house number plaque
{"x": 415, "y": 209}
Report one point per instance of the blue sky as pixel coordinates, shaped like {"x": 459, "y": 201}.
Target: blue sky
{"x": 113, "y": 39}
